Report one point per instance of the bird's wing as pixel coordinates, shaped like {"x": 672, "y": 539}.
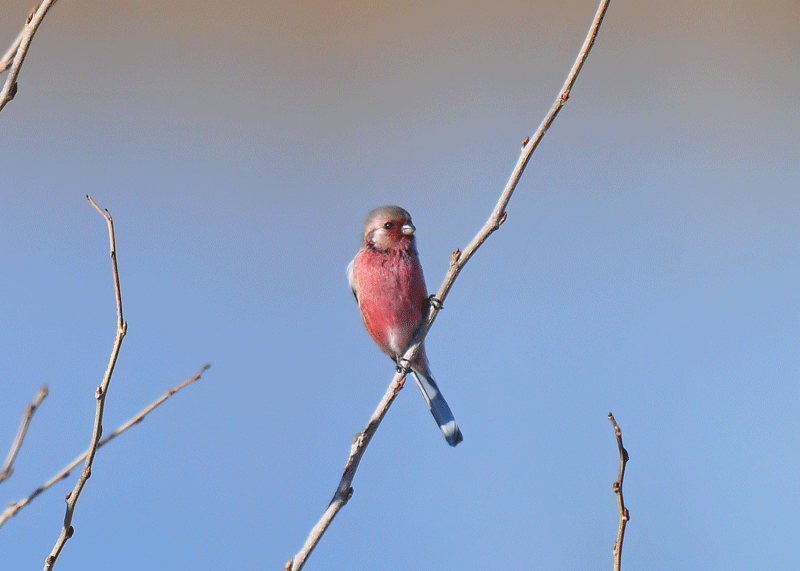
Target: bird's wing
{"x": 351, "y": 278}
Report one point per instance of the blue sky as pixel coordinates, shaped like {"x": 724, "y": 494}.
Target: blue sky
{"x": 649, "y": 266}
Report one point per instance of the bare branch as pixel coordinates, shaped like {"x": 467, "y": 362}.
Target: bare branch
{"x": 100, "y": 396}
{"x": 19, "y": 49}
{"x": 624, "y": 515}
{"x": 8, "y": 468}
{"x": 344, "y": 491}
{"x": 14, "y": 507}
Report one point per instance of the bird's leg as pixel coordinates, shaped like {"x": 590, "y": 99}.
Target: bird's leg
{"x": 435, "y": 301}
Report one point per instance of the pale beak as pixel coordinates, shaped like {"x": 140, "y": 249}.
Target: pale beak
{"x": 408, "y": 229}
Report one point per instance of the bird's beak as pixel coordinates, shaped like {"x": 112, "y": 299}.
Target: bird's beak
{"x": 408, "y": 229}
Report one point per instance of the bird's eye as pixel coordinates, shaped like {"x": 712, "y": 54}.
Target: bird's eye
{"x": 389, "y": 225}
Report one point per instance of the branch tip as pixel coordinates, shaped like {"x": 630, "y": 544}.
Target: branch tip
{"x": 7, "y": 468}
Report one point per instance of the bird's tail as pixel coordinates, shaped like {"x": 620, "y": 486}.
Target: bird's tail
{"x": 438, "y": 406}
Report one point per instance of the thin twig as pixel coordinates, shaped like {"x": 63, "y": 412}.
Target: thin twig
{"x": 344, "y": 490}
{"x": 8, "y": 57}
{"x": 8, "y": 467}
{"x": 14, "y": 507}
{"x": 19, "y": 49}
{"x": 624, "y": 515}
{"x": 100, "y": 396}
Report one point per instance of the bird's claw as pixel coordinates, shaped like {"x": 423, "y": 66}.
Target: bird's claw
{"x": 403, "y": 366}
{"x": 435, "y": 301}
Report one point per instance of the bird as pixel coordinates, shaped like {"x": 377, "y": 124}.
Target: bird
{"x": 389, "y": 287}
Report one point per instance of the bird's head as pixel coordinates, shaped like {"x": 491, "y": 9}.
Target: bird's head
{"x": 389, "y": 228}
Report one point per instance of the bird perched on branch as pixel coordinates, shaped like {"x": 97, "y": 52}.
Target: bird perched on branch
{"x": 387, "y": 281}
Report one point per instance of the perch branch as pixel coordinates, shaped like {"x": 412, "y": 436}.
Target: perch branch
{"x": 624, "y": 516}
{"x": 14, "y": 507}
{"x": 100, "y": 395}
{"x": 344, "y": 490}
{"x": 8, "y": 468}
{"x": 15, "y": 56}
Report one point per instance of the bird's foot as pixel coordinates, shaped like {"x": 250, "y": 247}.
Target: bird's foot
{"x": 403, "y": 366}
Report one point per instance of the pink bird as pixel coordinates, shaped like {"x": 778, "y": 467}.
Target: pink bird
{"x": 386, "y": 278}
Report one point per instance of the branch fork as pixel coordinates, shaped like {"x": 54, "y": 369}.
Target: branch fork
{"x": 15, "y": 55}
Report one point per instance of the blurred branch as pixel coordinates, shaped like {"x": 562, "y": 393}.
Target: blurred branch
{"x": 15, "y": 55}
{"x": 8, "y": 468}
{"x": 624, "y": 516}
{"x": 14, "y": 507}
{"x": 344, "y": 491}
{"x": 100, "y": 396}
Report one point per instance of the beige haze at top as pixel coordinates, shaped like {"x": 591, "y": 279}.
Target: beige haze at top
{"x": 372, "y": 61}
